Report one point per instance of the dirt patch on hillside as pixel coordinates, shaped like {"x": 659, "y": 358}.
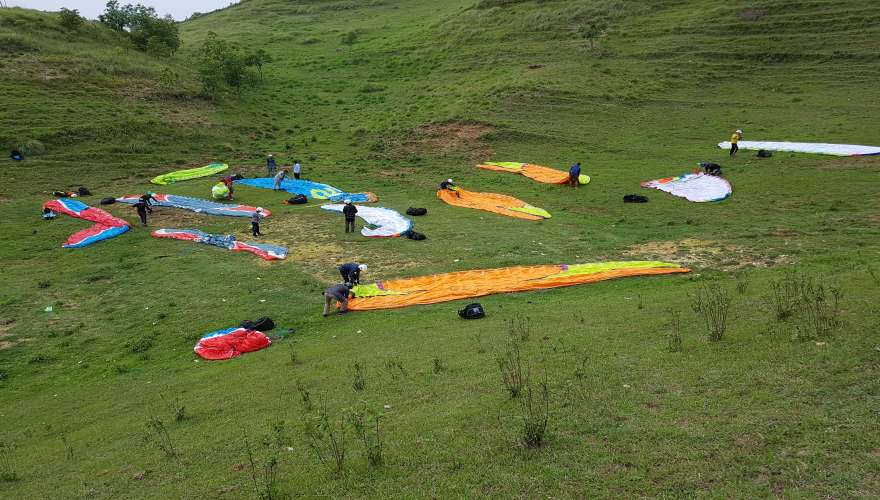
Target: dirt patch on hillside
{"x": 6, "y": 342}
{"x": 448, "y": 139}
{"x": 705, "y": 253}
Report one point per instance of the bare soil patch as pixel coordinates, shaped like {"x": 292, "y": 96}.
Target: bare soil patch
{"x": 448, "y": 139}
{"x": 705, "y": 253}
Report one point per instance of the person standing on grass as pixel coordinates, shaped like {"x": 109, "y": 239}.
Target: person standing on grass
{"x": 574, "y": 175}
{"x": 149, "y": 197}
{"x": 351, "y": 272}
{"x": 270, "y": 165}
{"x": 278, "y": 178}
{"x": 255, "y": 221}
{"x": 297, "y": 169}
{"x": 142, "y": 209}
{"x": 337, "y": 293}
{"x": 349, "y": 210}
{"x": 734, "y": 142}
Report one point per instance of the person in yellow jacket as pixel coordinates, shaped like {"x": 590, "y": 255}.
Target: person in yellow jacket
{"x": 734, "y": 142}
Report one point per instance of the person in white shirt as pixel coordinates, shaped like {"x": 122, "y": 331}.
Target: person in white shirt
{"x": 297, "y": 169}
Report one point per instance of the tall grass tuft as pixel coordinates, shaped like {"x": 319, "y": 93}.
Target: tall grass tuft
{"x": 370, "y": 435}
{"x": 784, "y": 294}
{"x": 535, "y": 416}
{"x": 712, "y": 302}
{"x": 264, "y": 475}
{"x": 157, "y": 434}
{"x": 359, "y": 382}
{"x": 326, "y": 438}
{"x": 674, "y": 335}
{"x": 514, "y": 374}
{"x": 7, "y": 470}
{"x": 818, "y": 311}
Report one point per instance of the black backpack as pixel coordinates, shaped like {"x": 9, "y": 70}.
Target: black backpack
{"x": 84, "y": 191}
{"x": 263, "y": 324}
{"x": 472, "y": 311}
{"x": 415, "y": 236}
{"x": 108, "y": 201}
{"x": 16, "y": 155}
{"x": 299, "y": 199}
{"x": 635, "y": 198}
{"x": 416, "y": 211}
{"x": 763, "y": 153}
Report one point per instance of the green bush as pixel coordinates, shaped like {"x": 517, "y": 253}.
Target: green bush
{"x": 70, "y": 19}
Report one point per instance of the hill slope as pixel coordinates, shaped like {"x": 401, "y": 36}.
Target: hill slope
{"x": 392, "y": 96}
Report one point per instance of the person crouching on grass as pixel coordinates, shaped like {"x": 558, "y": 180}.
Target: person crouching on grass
{"x": 337, "y": 293}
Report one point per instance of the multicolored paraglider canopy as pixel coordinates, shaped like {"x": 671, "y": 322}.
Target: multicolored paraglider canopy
{"x": 697, "y": 187}
{"x": 262, "y": 250}
{"x": 193, "y": 173}
{"x": 477, "y": 283}
{"x": 196, "y": 205}
{"x": 310, "y": 189}
{"x": 106, "y": 226}
{"x": 493, "y": 202}
{"x": 381, "y": 222}
{"x": 539, "y": 173}
{"x": 819, "y": 148}
{"x": 230, "y": 342}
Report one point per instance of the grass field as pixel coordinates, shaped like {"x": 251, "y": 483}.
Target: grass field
{"x": 96, "y": 393}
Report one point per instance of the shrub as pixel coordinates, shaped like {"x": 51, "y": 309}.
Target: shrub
{"x": 370, "y": 436}
{"x": 326, "y": 438}
{"x": 519, "y": 327}
{"x": 784, "y": 294}
{"x": 223, "y": 64}
{"x": 535, "y": 415}
{"x": 349, "y": 38}
{"x": 7, "y": 470}
{"x": 359, "y": 382}
{"x": 264, "y": 475}
{"x": 141, "y": 25}
{"x": 158, "y": 435}
{"x": 818, "y": 312}
{"x": 70, "y": 19}
{"x": 712, "y": 303}
{"x": 514, "y": 375}
{"x": 674, "y": 335}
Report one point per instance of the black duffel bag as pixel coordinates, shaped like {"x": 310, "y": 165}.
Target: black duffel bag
{"x": 263, "y": 324}
{"x": 472, "y": 311}
{"x": 416, "y": 211}
{"x": 635, "y": 198}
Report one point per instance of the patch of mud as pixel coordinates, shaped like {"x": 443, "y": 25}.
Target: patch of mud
{"x": 6, "y": 342}
{"x": 448, "y": 139}
{"x": 705, "y": 253}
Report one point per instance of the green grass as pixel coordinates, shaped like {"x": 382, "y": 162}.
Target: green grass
{"x": 756, "y": 414}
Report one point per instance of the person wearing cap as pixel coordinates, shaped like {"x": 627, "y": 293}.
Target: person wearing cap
{"x": 574, "y": 175}
{"x": 278, "y": 178}
{"x": 351, "y": 272}
{"x": 297, "y": 169}
{"x": 349, "y": 210}
{"x": 270, "y": 165}
{"x": 255, "y": 221}
{"x": 734, "y": 142}
{"x": 337, "y": 293}
{"x": 142, "y": 208}
{"x": 448, "y": 184}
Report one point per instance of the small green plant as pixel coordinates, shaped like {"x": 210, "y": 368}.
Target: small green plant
{"x": 519, "y": 327}
{"x": 395, "y": 368}
{"x": 326, "y": 438}
{"x": 439, "y": 366}
{"x": 7, "y": 472}
{"x": 712, "y": 302}
{"x": 592, "y": 32}
{"x": 370, "y": 436}
{"x": 818, "y": 311}
{"x": 305, "y": 397}
{"x": 514, "y": 374}
{"x": 68, "y": 448}
{"x": 157, "y": 434}
{"x": 349, "y": 38}
{"x": 264, "y": 475}
{"x": 674, "y": 335}
{"x": 169, "y": 79}
{"x": 742, "y": 283}
{"x": 535, "y": 415}
{"x": 291, "y": 354}
{"x": 359, "y": 382}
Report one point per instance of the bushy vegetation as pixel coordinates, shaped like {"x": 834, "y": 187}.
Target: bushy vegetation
{"x": 147, "y": 31}
{"x": 226, "y": 65}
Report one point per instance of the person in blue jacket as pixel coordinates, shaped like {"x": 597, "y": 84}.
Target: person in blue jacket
{"x": 270, "y": 165}
{"x": 574, "y": 174}
{"x": 351, "y": 272}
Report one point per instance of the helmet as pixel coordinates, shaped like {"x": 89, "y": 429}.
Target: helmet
{"x": 362, "y": 267}
{"x": 738, "y": 131}
{"x": 259, "y": 209}
{"x": 448, "y": 180}
{"x": 346, "y": 201}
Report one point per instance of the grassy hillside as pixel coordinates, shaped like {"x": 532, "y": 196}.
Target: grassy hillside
{"x": 393, "y": 96}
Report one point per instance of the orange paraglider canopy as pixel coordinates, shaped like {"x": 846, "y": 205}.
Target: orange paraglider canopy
{"x": 537, "y": 172}
{"x": 492, "y": 202}
{"x": 477, "y": 283}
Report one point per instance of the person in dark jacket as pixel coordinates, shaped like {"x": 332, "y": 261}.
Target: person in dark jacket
{"x": 142, "y": 209}
{"x": 449, "y": 185}
{"x": 255, "y": 221}
{"x": 351, "y": 272}
{"x": 270, "y": 165}
{"x": 149, "y": 197}
{"x": 349, "y": 210}
{"x": 574, "y": 175}
{"x": 337, "y": 293}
